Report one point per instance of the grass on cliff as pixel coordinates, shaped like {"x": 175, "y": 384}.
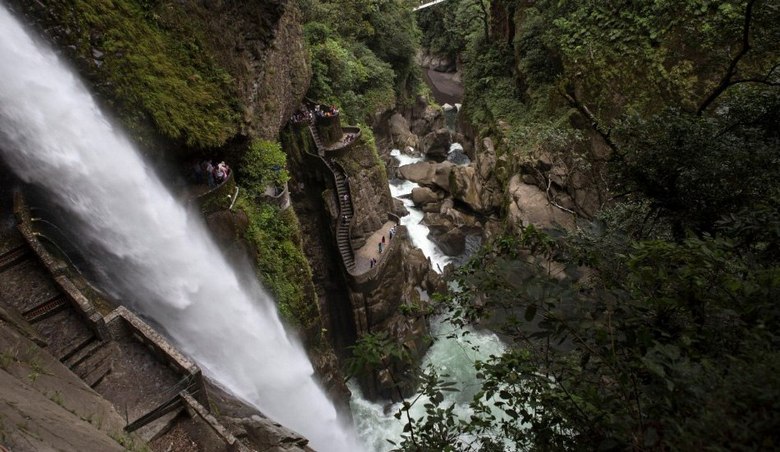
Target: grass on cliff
{"x": 154, "y": 66}
{"x": 281, "y": 264}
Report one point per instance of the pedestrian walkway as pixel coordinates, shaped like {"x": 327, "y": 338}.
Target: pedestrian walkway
{"x": 370, "y": 250}
{"x": 357, "y": 262}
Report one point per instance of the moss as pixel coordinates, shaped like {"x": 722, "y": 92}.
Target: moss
{"x": 264, "y": 164}
{"x": 154, "y": 67}
{"x": 363, "y": 154}
{"x": 281, "y": 264}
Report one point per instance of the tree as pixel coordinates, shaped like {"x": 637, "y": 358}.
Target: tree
{"x": 675, "y": 353}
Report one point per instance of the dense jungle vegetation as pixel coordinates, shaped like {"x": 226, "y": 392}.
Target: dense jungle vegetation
{"x": 659, "y": 328}
{"x": 362, "y": 55}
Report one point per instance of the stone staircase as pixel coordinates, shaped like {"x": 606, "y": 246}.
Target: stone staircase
{"x": 317, "y": 139}
{"x": 50, "y": 313}
{"x": 346, "y": 211}
{"x": 92, "y": 360}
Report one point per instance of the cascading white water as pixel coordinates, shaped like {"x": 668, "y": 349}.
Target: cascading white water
{"x": 452, "y": 354}
{"x": 418, "y": 232}
{"x": 53, "y": 135}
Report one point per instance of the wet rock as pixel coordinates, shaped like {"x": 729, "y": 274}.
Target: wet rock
{"x": 266, "y": 435}
{"x": 431, "y": 118}
{"x": 436, "y": 144}
{"x": 421, "y": 172}
{"x": 445, "y": 233}
{"x": 399, "y": 208}
{"x": 424, "y": 195}
{"x": 400, "y": 135}
{"x": 428, "y": 174}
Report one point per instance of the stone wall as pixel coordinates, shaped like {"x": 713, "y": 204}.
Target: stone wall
{"x": 118, "y": 324}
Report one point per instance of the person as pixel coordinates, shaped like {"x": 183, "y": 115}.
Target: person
{"x": 371, "y": 263}
{"x": 208, "y": 168}
{"x": 219, "y": 173}
{"x": 380, "y": 247}
{"x": 224, "y": 167}
{"x": 383, "y": 240}
{"x": 346, "y": 197}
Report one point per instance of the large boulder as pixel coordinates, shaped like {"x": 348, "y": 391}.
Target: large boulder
{"x": 467, "y": 186}
{"x": 460, "y": 219}
{"x": 431, "y": 118}
{"x": 428, "y": 174}
{"x": 400, "y": 135}
{"x": 445, "y": 234}
{"x": 529, "y": 206}
{"x": 424, "y": 195}
{"x": 266, "y": 434}
{"x": 436, "y": 144}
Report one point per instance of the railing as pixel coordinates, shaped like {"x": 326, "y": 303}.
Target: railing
{"x": 384, "y": 258}
{"x": 220, "y": 197}
{"x": 354, "y": 133}
{"x": 282, "y": 199}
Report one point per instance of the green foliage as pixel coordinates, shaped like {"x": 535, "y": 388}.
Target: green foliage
{"x": 350, "y": 75}
{"x": 281, "y": 264}
{"x": 361, "y": 60}
{"x": 628, "y": 357}
{"x": 374, "y": 351}
{"x": 696, "y": 169}
{"x": 263, "y": 164}
{"x": 654, "y": 329}
{"x": 154, "y": 67}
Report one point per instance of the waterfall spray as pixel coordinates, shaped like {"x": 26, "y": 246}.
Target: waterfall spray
{"x": 148, "y": 250}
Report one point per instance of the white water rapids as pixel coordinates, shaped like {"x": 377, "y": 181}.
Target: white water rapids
{"x": 452, "y": 354}
{"x": 152, "y": 254}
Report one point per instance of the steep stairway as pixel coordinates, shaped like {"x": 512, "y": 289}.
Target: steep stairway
{"x": 346, "y": 211}
{"x": 317, "y": 139}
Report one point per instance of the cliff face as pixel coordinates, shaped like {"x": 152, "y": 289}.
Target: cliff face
{"x": 261, "y": 45}
{"x": 183, "y": 75}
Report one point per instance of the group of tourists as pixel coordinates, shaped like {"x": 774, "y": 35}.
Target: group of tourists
{"x": 301, "y": 116}
{"x": 324, "y": 111}
{"x": 214, "y": 175}
{"x": 348, "y": 138}
{"x": 382, "y": 244}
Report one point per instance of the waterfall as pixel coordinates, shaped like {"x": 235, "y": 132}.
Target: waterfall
{"x": 162, "y": 262}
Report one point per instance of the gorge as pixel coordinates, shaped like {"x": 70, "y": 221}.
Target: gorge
{"x": 584, "y": 246}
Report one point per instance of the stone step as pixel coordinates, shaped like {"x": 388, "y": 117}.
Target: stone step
{"x": 97, "y": 375}
{"x": 13, "y": 256}
{"x": 73, "y": 347}
{"x": 95, "y": 366}
{"x": 82, "y": 354}
{"x": 46, "y": 309}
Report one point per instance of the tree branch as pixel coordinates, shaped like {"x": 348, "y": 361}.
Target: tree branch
{"x": 594, "y": 122}
{"x": 726, "y": 81}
